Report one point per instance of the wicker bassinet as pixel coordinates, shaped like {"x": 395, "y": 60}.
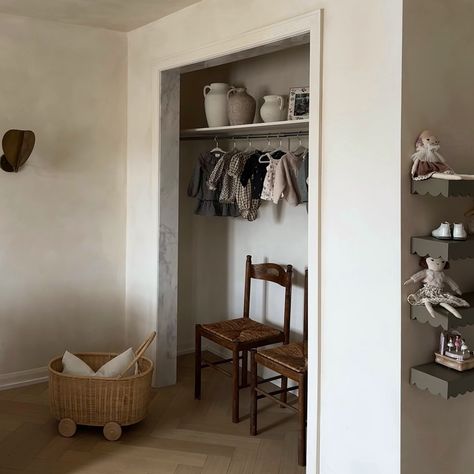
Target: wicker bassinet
{"x": 94, "y": 401}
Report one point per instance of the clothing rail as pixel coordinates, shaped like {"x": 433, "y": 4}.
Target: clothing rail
{"x": 247, "y": 136}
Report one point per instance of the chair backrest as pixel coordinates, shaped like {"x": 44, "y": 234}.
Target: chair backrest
{"x": 305, "y": 307}
{"x": 276, "y": 274}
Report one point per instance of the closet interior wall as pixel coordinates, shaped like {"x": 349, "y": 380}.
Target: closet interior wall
{"x": 212, "y": 250}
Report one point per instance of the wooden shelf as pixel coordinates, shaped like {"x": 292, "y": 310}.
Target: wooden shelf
{"x": 446, "y": 249}
{"x": 442, "y": 187}
{"x": 286, "y": 126}
{"x": 439, "y": 380}
{"x": 444, "y": 318}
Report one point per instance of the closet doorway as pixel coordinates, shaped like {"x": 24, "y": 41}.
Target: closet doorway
{"x": 200, "y": 260}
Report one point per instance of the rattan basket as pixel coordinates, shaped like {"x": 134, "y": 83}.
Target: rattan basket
{"x": 94, "y": 401}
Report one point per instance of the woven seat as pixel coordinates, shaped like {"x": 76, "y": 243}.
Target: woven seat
{"x": 242, "y": 330}
{"x": 294, "y": 356}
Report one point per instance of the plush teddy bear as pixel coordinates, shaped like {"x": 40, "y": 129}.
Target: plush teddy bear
{"x": 429, "y": 163}
{"x": 432, "y": 292}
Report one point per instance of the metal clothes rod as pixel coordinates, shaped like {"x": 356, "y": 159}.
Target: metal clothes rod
{"x": 249, "y": 136}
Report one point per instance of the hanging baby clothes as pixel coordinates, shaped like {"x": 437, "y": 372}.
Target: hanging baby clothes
{"x": 269, "y": 181}
{"x": 285, "y": 183}
{"x": 255, "y": 173}
{"x": 302, "y": 178}
{"x": 243, "y": 194}
{"x": 221, "y": 178}
{"x": 208, "y": 199}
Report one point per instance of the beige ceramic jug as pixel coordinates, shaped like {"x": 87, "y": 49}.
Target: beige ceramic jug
{"x": 215, "y": 104}
{"x": 241, "y": 106}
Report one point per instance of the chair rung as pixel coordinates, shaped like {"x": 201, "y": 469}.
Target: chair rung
{"x": 283, "y": 390}
{"x": 271, "y": 379}
{"x": 215, "y": 365}
{"x": 275, "y": 399}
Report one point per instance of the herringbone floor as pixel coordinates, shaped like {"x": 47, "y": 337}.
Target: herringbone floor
{"x": 180, "y": 435}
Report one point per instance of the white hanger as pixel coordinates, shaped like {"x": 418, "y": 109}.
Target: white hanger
{"x": 249, "y": 147}
{"x": 280, "y": 147}
{"x": 301, "y": 150}
{"x": 217, "y": 148}
{"x": 268, "y": 148}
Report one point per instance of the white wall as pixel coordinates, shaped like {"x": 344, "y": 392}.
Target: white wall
{"x": 360, "y": 424}
{"x": 62, "y": 218}
{"x": 438, "y": 71}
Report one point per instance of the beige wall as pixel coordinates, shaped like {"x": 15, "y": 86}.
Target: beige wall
{"x": 62, "y": 218}
{"x": 438, "y": 72}
{"x": 360, "y": 411}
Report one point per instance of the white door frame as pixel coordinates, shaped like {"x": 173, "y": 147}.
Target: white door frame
{"x": 164, "y": 229}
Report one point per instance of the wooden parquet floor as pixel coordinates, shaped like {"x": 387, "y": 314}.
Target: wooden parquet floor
{"x": 180, "y": 435}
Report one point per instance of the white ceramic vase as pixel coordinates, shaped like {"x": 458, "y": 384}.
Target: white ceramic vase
{"x": 273, "y": 108}
{"x": 215, "y": 104}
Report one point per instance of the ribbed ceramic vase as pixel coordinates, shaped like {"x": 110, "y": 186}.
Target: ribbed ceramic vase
{"x": 240, "y": 106}
{"x": 215, "y": 104}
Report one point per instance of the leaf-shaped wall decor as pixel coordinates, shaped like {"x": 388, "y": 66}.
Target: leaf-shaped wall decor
{"x": 17, "y": 148}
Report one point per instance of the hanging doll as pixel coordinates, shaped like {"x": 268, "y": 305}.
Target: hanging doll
{"x": 429, "y": 163}
{"x": 432, "y": 292}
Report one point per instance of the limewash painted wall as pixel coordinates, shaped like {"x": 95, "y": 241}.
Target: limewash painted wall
{"x": 361, "y": 113}
{"x": 62, "y": 218}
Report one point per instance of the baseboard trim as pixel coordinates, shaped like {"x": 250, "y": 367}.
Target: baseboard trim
{"x": 23, "y": 378}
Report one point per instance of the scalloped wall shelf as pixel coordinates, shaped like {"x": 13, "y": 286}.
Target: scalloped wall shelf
{"x": 441, "y": 187}
{"x": 444, "y": 318}
{"x": 447, "y": 249}
{"x": 439, "y": 380}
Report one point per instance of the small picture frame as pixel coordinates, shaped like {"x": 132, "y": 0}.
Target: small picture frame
{"x": 298, "y": 104}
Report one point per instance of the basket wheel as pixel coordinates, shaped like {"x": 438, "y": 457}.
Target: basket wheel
{"x": 112, "y": 431}
{"x": 67, "y": 427}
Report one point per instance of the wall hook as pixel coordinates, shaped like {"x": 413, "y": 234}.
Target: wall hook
{"x": 17, "y": 147}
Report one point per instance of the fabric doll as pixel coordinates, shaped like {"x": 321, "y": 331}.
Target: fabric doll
{"x": 429, "y": 163}
{"x": 434, "y": 281}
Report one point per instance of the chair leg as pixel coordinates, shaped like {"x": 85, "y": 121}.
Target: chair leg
{"x": 245, "y": 365}
{"x": 235, "y": 386}
{"x": 302, "y": 408}
{"x": 197, "y": 364}
{"x": 253, "y": 394}
{"x": 284, "y": 386}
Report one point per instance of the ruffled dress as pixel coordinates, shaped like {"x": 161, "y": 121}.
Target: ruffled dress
{"x": 433, "y": 292}
{"x": 208, "y": 203}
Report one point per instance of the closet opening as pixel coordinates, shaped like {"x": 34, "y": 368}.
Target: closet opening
{"x": 198, "y": 262}
{"x": 212, "y": 249}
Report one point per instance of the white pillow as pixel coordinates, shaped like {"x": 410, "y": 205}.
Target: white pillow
{"x": 117, "y": 365}
{"x": 72, "y": 365}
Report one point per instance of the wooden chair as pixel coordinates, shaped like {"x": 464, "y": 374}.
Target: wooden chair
{"x": 242, "y": 334}
{"x": 291, "y": 361}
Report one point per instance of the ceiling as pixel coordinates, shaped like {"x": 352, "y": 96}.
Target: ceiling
{"x": 120, "y": 15}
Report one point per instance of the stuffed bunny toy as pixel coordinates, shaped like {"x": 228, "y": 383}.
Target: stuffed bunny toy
{"x": 434, "y": 281}
{"x": 429, "y": 163}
